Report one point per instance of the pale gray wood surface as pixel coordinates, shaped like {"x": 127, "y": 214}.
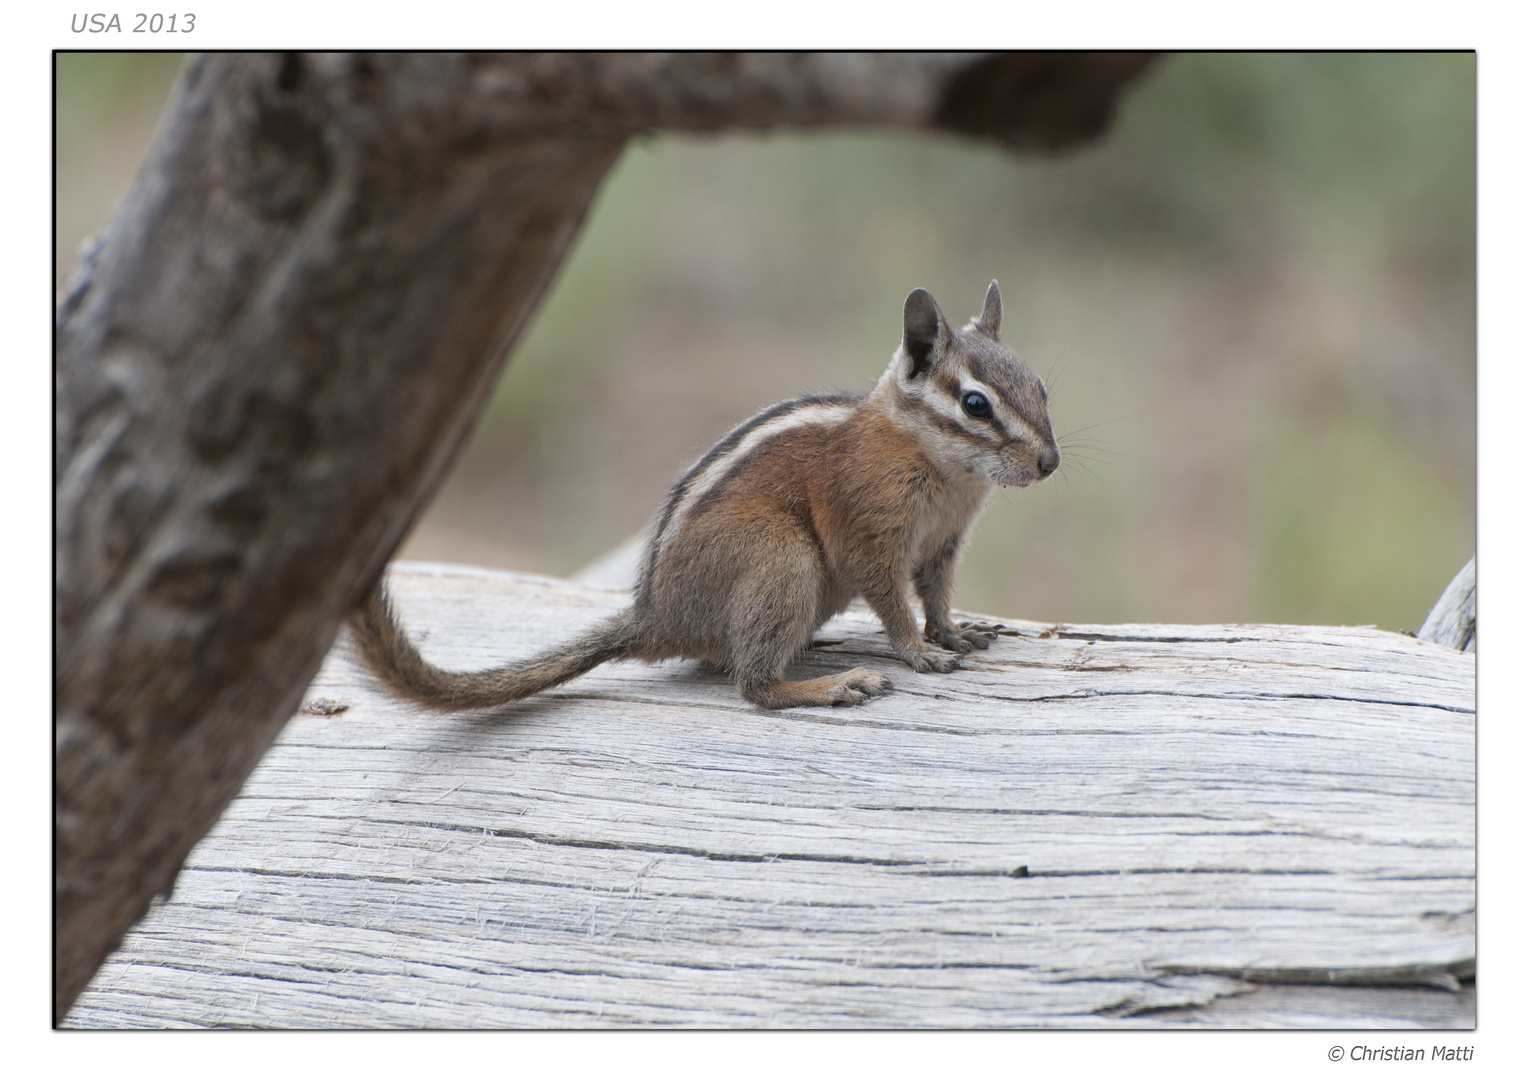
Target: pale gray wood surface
{"x": 1086, "y": 826}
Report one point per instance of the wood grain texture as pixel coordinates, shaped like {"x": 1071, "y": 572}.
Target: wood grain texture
{"x": 1086, "y": 826}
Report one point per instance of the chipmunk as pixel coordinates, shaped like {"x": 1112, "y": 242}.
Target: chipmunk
{"x": 809, "y": 504}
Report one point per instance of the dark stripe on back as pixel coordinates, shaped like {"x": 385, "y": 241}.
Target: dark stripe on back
{"x": 725, "y": 447}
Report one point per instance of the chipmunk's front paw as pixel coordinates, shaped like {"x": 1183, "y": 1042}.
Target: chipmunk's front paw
{"x": 970, "y": 635}
{"x": 925, "y": 661}
{"x": 947, "y": 638}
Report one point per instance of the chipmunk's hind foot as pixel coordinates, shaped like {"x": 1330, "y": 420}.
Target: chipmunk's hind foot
{"x": 859, "y": 685}
{"x": 853, "y": 687}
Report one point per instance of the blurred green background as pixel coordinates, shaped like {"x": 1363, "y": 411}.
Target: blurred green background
{"x": 1254, "y": 302}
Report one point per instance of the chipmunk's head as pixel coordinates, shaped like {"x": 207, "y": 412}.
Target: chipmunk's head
{"x": 974, "y": 403}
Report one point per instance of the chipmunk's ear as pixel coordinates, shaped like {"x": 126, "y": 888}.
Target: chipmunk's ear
{"x": 925, "y": 334}
{"x": 990, "y": 321}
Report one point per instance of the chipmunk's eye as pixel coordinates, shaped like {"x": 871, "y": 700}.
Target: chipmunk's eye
{"x": 977, "y": 405}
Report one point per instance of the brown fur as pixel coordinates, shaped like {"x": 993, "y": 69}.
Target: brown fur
{"x": 789, "y": 518}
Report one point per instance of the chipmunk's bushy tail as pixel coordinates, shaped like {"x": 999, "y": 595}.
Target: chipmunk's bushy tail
{"x": 386, "y": 649}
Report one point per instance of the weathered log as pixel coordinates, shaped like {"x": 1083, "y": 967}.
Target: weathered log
{"x": 267, "y": 365}
{"x": 1085, "y": 826}
{"x": 1451, "y": 622}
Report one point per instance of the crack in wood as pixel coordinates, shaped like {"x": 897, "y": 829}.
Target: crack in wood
{"x": 1440, "y": 976}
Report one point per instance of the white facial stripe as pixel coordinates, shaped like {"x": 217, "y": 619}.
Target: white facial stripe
{"x": 938, "y": 400}
{"x": 717, "y": 470}
{"x": 946, "y": 406}
{"x": 932, "y": 397}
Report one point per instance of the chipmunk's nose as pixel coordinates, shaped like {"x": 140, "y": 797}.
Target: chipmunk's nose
{"x": 1048, "y": 461}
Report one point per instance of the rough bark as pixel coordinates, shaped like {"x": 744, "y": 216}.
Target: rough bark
{"x": 266, "y": 367}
